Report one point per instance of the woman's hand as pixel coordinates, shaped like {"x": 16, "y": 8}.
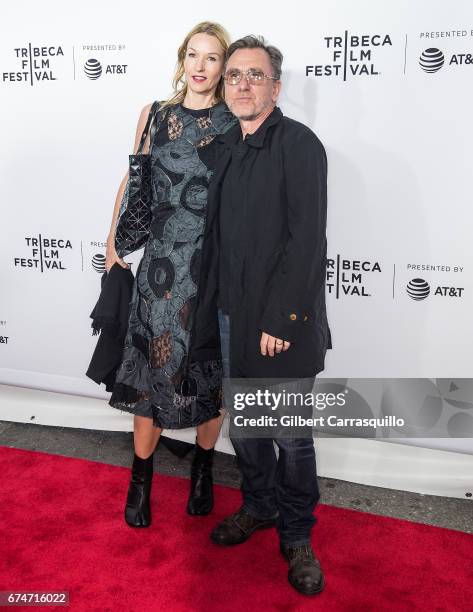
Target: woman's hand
{"x": 112, "y": 257}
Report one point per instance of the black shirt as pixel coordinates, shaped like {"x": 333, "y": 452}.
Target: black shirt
{"x": 232, "y": 218}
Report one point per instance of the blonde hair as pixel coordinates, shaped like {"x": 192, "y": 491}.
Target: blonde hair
{"x": 178, "y": 83}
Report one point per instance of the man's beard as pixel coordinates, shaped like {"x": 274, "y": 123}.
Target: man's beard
{"x": 251, "y": 117}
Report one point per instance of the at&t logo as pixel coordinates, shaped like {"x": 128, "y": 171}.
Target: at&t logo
{"x": 94, "y": 70}
{"x": 418, "y": 289}
{"x": 433, "y": 59}
{"x": 4, "y": 339}
{"x": 98, "y": 262}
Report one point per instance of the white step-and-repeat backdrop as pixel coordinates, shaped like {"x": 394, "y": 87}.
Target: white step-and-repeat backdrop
{"x": 387, "y": 86}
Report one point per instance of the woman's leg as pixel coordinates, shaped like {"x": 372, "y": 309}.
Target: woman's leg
{"x": 207, "y": 433}
{"x": 146, "y": 437}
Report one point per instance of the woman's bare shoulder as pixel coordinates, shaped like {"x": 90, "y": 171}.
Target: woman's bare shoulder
{"x": 141, "y": 125}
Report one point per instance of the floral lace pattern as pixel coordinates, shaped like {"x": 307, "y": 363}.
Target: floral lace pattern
{"x": 156, "y": 377}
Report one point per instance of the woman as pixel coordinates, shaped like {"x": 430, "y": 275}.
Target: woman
{"x": 157, "y": 380}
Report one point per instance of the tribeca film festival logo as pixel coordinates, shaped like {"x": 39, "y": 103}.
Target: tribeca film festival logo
{"x": 347, "y": 276}
{"x": 33, "y": 64}
{"x": 44, "y": 253}
{"x": 94, "y": 68}
{"x": 3, "y": 339}
{"x": 419, "y": 289}
{"x": 352, "y": 55}
{"x": 432, "y": 59}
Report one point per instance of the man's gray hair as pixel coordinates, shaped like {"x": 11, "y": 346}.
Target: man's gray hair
{"x": 258, "y": 42}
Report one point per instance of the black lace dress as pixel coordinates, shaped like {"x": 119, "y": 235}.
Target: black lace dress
{"x": 156, "y": 378}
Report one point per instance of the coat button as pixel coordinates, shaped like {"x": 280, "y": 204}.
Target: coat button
{"x": 293, "y": 317}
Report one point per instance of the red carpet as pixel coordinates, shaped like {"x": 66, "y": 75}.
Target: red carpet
{"x": 62, "y": 529}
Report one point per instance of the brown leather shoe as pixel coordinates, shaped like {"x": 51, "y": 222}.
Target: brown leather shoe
{"x": 238, "y": 527}
{"x": 305, "y": 573}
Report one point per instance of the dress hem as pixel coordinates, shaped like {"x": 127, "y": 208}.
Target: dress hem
{"x": 157, "y": 423}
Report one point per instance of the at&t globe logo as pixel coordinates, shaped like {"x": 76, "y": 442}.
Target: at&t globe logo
{"x": 98, "y": 262}
{"x": 431, "y": 60}
{"x": 93, "y": 69}
{"x": 418, "y": 289}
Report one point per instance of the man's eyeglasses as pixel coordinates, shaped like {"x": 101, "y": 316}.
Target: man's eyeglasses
{"x": 254, "y": 76}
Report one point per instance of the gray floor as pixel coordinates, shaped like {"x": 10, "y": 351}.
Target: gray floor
{"x": 115, "y": 448}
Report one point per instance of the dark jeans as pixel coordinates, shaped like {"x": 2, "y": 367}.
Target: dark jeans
{"x": 283, "y": 486}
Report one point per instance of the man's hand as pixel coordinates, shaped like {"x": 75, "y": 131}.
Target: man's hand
{"x": 270, "y": 345}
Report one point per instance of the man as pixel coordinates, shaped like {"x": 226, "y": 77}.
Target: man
{"x": 264, "y": 259}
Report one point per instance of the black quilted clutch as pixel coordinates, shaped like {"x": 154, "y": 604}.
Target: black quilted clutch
{"x": 134, "y": 219}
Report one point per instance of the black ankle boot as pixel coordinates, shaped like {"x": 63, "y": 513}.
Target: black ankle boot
{"x": 137, "y": 509}
{"x": 201, "y": 498}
